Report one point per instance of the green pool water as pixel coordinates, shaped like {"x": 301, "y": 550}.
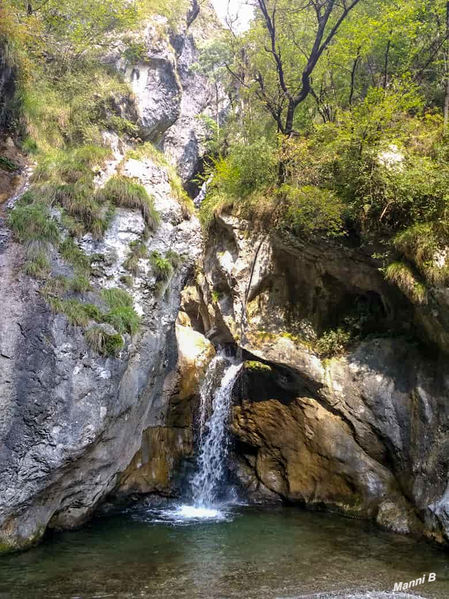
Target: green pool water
{"x": 251, "y": 553}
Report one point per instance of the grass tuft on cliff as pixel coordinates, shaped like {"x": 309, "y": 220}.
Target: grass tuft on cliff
{"x": 149, "y": 151}
{"x": 138, "y": 252}
{"x": 33, "y": 222}
{"x": 127, "y": 193}
{"x": 104, "y": 343}
{"x": 402, "y": 275}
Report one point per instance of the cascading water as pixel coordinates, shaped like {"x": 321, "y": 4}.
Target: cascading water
{"x": 215, "y": 408}
{"x": 214, "y": 440}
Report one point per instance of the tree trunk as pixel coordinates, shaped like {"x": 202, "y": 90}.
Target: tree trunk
{"x": 288, "y": 129}
{"x": 446, "y": 68}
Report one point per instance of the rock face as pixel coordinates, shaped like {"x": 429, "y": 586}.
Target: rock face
{"x": 72, "y": 421}
{"x": 364, "y": 433}
{"x": 157, "y": 467}
{"x": 174, "y": 99}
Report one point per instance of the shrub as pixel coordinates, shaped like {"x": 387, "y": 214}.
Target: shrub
{"x": 333, "y": 343}
{"x": 125, "y": 192}
{"x": 312, "y": 211}
{"x": 247, "y": 168}
{"x": 136, "y": 51}
{"x": 104, "y": 343}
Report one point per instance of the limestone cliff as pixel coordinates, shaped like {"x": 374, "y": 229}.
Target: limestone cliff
{"x": 364, "y": 431}
{"x": 72, "y": 419}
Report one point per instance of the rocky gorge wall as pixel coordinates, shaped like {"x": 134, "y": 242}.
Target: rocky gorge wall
{"x": 73, "y": 420}
{"x": 364, "y": 432}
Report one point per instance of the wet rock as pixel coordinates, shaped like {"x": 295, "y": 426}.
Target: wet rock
{"x": 365, "y": 432}
{"x": 157, "y": 466}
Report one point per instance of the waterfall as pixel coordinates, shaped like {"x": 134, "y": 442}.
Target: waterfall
{"x": 215, "y": 410}
{"x": 213, "y": 444}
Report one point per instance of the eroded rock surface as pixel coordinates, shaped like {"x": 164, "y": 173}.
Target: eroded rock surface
{"x": 364, "y": 433}
{"x": 71, "y": 420}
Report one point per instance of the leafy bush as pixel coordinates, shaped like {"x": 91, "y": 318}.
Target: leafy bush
{"x": 333, "y": 343}
{"x": 248, "y": 167}
{"x": 136, "y": 51}
{"x": 311, "y": 211}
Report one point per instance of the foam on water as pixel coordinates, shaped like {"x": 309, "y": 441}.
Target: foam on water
{"x": 192, "y": 512}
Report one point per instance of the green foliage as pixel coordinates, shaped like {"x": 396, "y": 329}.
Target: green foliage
{"x": 136, "y": 51}
{"x": 246, "y": 169}
{"x": 33, "y": 222}
{"x": 8, "y": 165}
{"x": 257, "y": 367}
{"x": 149, "y": 151}
{"x": 162, "y": 266}
{"x": 78, "y": 313}
{"x": 80, "y": 284}
{"x": 117, "y": 298}
{"x": 37, "y": 264}
{"x": 103, "y": 342}
{"x": 402, "y": 275}
{"x": 333, "y": 343}
{"x": 139, "y": 252}
{"x": 123, "y": 126}
{"x": 125, "y": 192}
{"x": 72, "y": 254}
{"x": 312, "y": 211}
{"x": 124, "y": 319}
{"x": 121, "y": 315}
{"x": 69, "y": 166}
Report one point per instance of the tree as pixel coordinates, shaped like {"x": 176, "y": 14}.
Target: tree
{"x": 310, "y": 27}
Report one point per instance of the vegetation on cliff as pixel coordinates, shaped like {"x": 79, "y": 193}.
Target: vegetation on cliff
{"x": 341, "y": 129}
{"x": 70, "y": 100}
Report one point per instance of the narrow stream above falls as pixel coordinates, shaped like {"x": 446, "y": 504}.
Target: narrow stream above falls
{"x": 255, "y": 553}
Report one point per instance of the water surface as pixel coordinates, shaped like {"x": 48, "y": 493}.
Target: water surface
{"x": 248, "y": 553}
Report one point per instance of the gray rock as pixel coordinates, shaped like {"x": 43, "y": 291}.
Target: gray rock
{"x": 365, "y": 433}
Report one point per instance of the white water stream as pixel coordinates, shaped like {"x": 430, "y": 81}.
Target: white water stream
{"x": 215, "y": 409}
